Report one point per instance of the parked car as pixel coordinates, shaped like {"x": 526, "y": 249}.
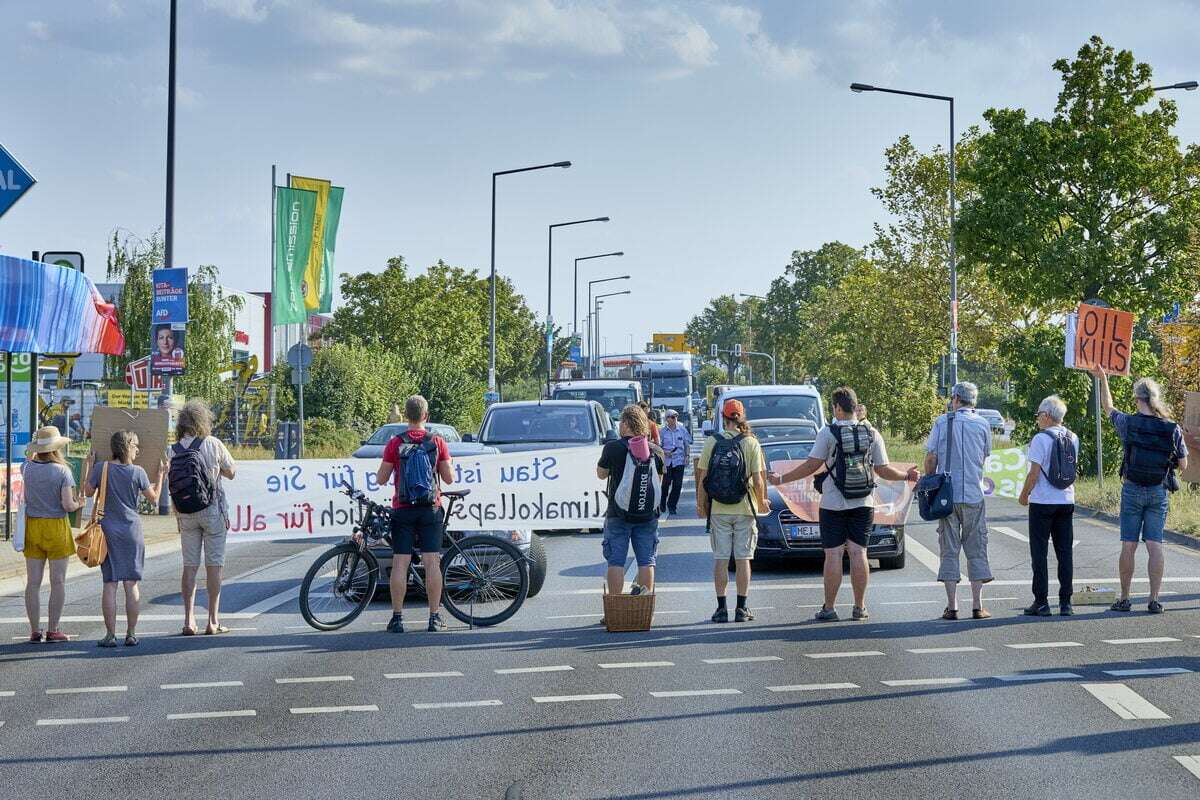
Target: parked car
{"x": 372, "y": 447}
{"x": 793, "y": 402}
{"x": 994, "y": 418}
{"x": 785, "y": 535}
{"x": 544, "y": 425}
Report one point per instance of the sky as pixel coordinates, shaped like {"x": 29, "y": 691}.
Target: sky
{"x": 718, "y": 136}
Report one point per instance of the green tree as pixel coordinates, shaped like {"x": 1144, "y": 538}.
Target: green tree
{"x": 354, "y": 385}
{"x": 724, "y": 322}
{"x": 1097, "y": 201}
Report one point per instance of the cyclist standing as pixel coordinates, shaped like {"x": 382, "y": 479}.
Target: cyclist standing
{"x": 420, "y": 461}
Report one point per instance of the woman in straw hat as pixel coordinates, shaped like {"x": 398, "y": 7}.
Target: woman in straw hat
{"x": 49, "y": 496}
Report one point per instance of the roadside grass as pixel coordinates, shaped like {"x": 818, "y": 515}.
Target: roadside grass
{"x": 899, "y": 449}
{"x": 245, "y": 452}
{"x": 1182, "y": 516}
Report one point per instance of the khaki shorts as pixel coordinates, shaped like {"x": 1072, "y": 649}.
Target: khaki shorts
{"x": 205, "y": 530}
{"x": 964, "y": 531}
{"x": 732, "y": 534}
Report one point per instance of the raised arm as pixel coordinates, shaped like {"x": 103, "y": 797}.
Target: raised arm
{"x": 1105, "y": 393}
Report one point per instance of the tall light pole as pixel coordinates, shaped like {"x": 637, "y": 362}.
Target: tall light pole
{"x": 866, "y": 87}
{"x": 596, "y": 312}
{"x": 592, "y": 341}
{"x": 169, "y": 222}
{"x": 575, "y": 290}
{"x": 1187, "y": 86}
{"x": 550, "y": 291}
{"x": 492, "y": 291}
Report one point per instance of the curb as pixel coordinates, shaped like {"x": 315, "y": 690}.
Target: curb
{"x": 1174, "y": 537}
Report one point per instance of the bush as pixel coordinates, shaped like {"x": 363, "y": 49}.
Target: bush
{"x": 355, "y": 385}
{"x": 455, "y": 397}
{"x": 324, "y": 438}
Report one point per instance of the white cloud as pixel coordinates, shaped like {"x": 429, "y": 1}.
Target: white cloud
{"x": 541, "y": 24}
{"x": 787, "y": 61}
{"x": 38, "y": 30}
{"x": 248, "y": 10}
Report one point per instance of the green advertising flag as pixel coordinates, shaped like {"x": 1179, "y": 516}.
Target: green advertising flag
{"x": 333, "y": 213}
{"x": 295, "y": 210}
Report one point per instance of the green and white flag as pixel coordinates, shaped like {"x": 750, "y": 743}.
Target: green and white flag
{"x": 333, "y": 214}
{"x": 295, "y": 210}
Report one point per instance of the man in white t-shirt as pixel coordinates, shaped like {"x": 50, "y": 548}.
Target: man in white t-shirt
{"x": 1051, "y": 509}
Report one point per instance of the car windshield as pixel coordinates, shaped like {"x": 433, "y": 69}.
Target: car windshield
{"x": 764, "y": 432}
{"x": 781, "y": 406}
{"x": 385, "y": 434}
{"x": 667, "y": 386}
{"x": 786, "y": 451}
{"x": 613, "y": 400}
{"x": 539, "y": 424}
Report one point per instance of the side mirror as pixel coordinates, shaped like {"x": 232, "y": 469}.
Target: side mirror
{"x": 362, "y": 441}
{"x": 468, "y": 437}
{"x": 610, "y": 435}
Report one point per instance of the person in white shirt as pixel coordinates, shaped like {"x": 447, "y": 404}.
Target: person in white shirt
{"x": 1051, "y": 509}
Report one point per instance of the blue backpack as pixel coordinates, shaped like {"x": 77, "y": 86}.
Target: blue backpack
{"x": 416, "y": 471}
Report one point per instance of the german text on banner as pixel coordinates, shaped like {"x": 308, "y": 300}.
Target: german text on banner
{"x": 333, "y": 215}
{"x": 295, "y": 210}
{"x": 547, "y": 489}
{"x": 49, "y": 309}
{"x": 311, "y": 285}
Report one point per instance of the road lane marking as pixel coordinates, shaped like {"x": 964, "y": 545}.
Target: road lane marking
{"x": 1038, "y": 676}
{"x": 636, "y": 664}
{"x": 458, "y": 704}
{"x": 1129, "y": 673}
{"x": 695, "y": 693}
{"x": 575, "y": 616}
{"x": 1042, "y": 645}
{"x": 207, "y": 685}
{"x": 317, "y": 679}
{"x": 812, "y": 687}
{"x": 1145, "y": 640}
{"x": 525, "y": 670}
{"x": 7, "y": 694}
{"x": 88, "y": 690}
{"x": 332, "y": 709}
{"x": 849, "y": 654}
{"x": 1020, "y": 537}
{"x": 1123, "y": 701}
{"x": 82, "y": 721}
{"x": 917, "y": 602}
{"x": 742, "y": 660}
{"x": 575, "y": 698}
{"x": 928, "y": 682}
{"x": 245, "y": 712}
{"x": 921, "y": 553}
{"x": 397, "y": 676}
{"x": 1190, "y": 763}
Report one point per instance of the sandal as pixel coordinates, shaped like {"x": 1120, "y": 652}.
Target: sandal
{"x": 130, "y": 640}
{"x": 950, "y": 613}
{"x": 35, "y": 636}
{"x": 109, "y": 640}
{"x": 210, "y": 630}
{"x": 187, "y": 631}
{"x": 980, "y": 613}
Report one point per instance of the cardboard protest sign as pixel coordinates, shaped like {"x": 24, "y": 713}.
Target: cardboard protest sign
{"x": 149, "y": 424}
{"x": 1191, "y": 429}
{"x": 1103, "y": 337}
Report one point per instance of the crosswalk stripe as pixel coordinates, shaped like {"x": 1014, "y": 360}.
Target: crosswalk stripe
{"x": 1123, "y": 701}
{"x": 921, "y": 553}
{"x": 1145, "y": 640}
{"x": 1190, "y": 763}
{"x": 812, "y": 687}
{"x": 1010, "y": 532}
{"x": 1130, "y": 673}
{"x": 928, "y": 682}
{"x": 695, "y": 692}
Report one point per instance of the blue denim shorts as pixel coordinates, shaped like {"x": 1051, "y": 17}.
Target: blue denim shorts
{"x": 619, "y": 534}
{"x": 1143, "y": 512}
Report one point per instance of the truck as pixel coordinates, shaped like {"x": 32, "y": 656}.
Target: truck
{"x": 613, "y": 394}
{"x": 667, "y": 379}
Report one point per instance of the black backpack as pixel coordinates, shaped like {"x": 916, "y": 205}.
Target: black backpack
{"x": 1149, "y": 449}
{"x": 726, "y": 478}
{"x": 188, "y": 479}
{"x": 853, "y": 473}
{"x": 1061, "y": 469}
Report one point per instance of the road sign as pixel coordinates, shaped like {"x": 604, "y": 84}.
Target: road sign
{"x": 14, "y": 181}
{"x": 137, "y": 375}
{"x": 71, "y": 259}
{"x": 299, "y": 356}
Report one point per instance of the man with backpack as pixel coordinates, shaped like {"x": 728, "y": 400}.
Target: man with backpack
{"x": 633, "y": 467}
{"x": 852, "y": 453}
{"x": 1049, "y": 491}
{"x": 419, "y": 462}
{"x": 731, "y": 489}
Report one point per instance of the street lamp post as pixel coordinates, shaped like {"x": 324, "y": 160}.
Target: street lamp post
{"x": 575, "y": 288}
{"x": 492, "y": 290}
{"x": 596, "y": 313}
{"x": 592, "y": 341}
{"x": 866, "y": 87}
{"x": 550, "y": 291}
{"x": 772, "y": 356}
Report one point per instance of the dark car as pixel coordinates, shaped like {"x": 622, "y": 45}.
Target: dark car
{"x": 785, "y": 534}
{"x": 544, "y": 425}
{"x": 372, "y": 447}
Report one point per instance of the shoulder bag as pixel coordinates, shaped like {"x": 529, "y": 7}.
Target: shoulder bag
{"x": 935, "y": 493}
{"x": 90, "y": 544}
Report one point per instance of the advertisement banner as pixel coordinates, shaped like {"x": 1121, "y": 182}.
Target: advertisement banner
{"x": 170, "y": 303}
{"x": 167, "y": 350}
{"x": 18, "y": 415}
{"x": 540, "y": 490}
{"x": 311, "y": 285}
{"x": 295, "y": 210}
{"x": 333, "y": 215}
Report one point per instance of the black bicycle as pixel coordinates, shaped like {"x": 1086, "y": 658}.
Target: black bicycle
{"x": 485, "y": 579}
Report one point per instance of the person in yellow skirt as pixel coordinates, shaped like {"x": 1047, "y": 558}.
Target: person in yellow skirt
{"x": 50, "y": 495}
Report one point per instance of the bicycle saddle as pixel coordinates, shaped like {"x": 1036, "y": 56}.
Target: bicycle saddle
{"x": 459, "y": 493}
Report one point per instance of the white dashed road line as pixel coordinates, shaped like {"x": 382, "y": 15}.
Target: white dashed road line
{"x": 742, "y": 660}
{"x": 1042, "y": 645}
{"x": 82, "y": 721}
{"x": 929, "y": 682}
{"x": 636, "y": 664}
{"x": 1123, "y": 701}
{"x": 89, "y": 690}
{"x": 317, "y": 679}
{"x": 1038, "y": 676}
{"x": 1190, "y": 763}
{"x": 207, "y": 685}
{"x": 399, "y": 676}
{"x": 931, "y": 650}
{"x": 458, "y": 704}
{"x": 1131, "y": 673}
{"x": 332, "y": 709}
{"x": 850, "y": 654}
{"x": 1020, "y": 537}
{"x": 812, "y": 687}
{"x": 526, "y": 670}
{"x": 245, "y": 712}
{"x": 1145, "y": 640}
{"x": 575, "y": 698}
{"x": 7, "y": 694}
{"x": 575, "y": 616}
{"x": 695, "y": 693}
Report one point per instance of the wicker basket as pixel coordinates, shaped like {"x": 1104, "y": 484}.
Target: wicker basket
{"x": 628, "y": 612}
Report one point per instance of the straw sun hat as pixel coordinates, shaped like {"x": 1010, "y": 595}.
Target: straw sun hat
{"x": 47, "y": 440}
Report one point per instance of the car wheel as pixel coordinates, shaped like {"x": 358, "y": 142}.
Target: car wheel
{"x": 893, "y": 563}
{"x": 537, "y": 565}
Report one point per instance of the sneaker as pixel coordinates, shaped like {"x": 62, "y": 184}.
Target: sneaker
{"x": 396, "y": 624}
{"x": 1121, "y": 605}
{"x": 1066, "y": 610}
{"x": 635, "y": 589}
{"x": 1155, "y": 607}
{"x": 1038, "y": 610}
{"x": 436, "y": 623}
{"x": 858, "y": 612}
{"x": 721, "y": 615}
{"x": 35, "y": 636}
{"x": 980, "y": 613}
{"x": 57, "y": 636}
{"x": 827, "y": 615}
{"x": 743, "y": 614}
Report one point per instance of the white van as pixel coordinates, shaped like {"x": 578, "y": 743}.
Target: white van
{"x": 795, "y": 401}
{"x": 614, "y": 395}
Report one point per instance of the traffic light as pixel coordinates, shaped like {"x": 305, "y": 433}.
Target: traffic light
{"x": 712, "y": 351}
{"x": 737, "y": 350}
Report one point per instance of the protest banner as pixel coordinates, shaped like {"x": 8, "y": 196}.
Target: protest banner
{"x": 892, "y": 498}
{"x": 1102, "y": 337}
{"x": 1004, "y": 472}
{"x": 149, "y": 424}
{"x": 297, "y": 499}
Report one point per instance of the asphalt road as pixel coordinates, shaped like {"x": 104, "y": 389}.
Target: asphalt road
{"x": 551, "y": 706}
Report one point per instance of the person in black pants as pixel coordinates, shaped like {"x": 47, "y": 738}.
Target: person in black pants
{"x": 1051, "y": 509}
{"x": 676, "y": 445}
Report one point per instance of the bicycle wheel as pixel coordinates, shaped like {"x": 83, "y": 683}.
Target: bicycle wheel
{"x": 338, "y": 586}
{"x": 485, "y": 580}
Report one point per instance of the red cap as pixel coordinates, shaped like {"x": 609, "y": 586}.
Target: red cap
{"x": 733, "y": 409}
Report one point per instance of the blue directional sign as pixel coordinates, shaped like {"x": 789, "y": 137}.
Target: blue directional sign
{"x": 14, "y": 180}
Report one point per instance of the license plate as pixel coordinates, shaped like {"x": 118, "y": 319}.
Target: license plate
{"x": 795, "y": 532}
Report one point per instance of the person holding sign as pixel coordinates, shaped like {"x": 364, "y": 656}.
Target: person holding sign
{"x": 1154, "y": 448}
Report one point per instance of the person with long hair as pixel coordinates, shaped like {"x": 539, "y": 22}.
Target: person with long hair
{"x": 50, "y": 496}
{"x": 122, "y": 529}
{"x": 1153, "y": 448}
{"x": 636, "y": 524}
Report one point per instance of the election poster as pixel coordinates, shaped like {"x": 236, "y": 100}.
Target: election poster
{"x": 167, "y": 349}
{"x": 1099, "y": 336}
{"x": 170, "y": 301}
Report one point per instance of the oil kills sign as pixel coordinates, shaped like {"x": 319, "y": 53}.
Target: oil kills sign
{"x": 14, "y": 181}
{"x": 1103, "y": 337}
